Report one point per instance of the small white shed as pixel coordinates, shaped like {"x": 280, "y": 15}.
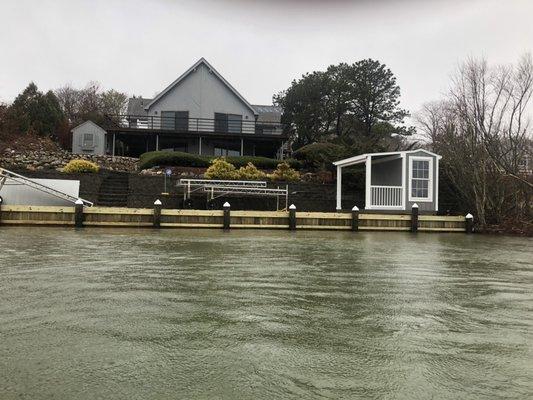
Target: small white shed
{"x": 396, "y": 180}
{"x": 88, "y": 138}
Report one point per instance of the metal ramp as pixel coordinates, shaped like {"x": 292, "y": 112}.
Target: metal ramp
{"x": 219, "y": 188}
{"x": 22, "y": 180}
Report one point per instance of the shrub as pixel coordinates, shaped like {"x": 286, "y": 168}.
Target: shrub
{"x": 78, "y": 165}
{"x": 250, "y": 173}
{"x": 172, "y": 158}
{"x": 180, "y": 159}
{"x": 285, "y": 173}
{"x": 319, "y": 156}
{"x": 221, "y": 169}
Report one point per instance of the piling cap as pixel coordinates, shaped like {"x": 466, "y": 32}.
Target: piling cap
{"x": 79, "y": 202}
{"x": 414, "y": 205}
{"x": 355, "y": 208}
{"x": 157, "y": 202}
{"x": 226, "y": 205}
{"x": 292, "y": 207}
{"x": 1, "y": 199}
{"x": 469, "y": 216}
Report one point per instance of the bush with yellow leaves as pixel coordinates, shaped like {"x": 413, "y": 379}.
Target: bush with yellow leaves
{"x": 284, "y": 173}
{"x": 79, "y": 166}
{"x": 250, "y": 173}
{"x": 221, "y": 169}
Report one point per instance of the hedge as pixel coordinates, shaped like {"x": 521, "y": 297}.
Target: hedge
{"x": 320, "y": 156}
{"x": 180, "y": 159}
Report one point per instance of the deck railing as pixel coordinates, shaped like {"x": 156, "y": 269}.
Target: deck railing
{"x": 195, "y": 125}
{"x": 386, "y": 196}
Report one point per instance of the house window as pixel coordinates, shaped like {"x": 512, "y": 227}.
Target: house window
{"x": 175, "y": 120}
{"x": 228, "y": 123}
{"x": 420, "y": 183}
{"x": 88, "y": 140}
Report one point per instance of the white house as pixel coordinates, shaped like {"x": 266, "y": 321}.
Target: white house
{"x": 396, "y": 180}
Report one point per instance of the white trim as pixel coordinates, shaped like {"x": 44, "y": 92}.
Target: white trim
{"x": 361, "y": 158}
{"x": 404, "y": 186}
{"x": 428, "y": 199}
{"x": 339, "y": 188}
{"x": 368, "y": 182}
{"x": 437, "y": 185}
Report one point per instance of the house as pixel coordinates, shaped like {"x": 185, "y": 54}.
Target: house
{"x": 88, "y": 138}
{"x": 396, "y": 180}
{"x": 200, "y": 113}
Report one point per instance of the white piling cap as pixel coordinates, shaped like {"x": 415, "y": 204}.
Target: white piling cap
{"x": 78, "y": 202}
{"x": 226, "y": 205}
{"x": 414, "y": 205}
{"x": 355, "y": 208}
{"x": 157, "y": 202}
{"x": 469, "y": 216}
{"x": 292, "y": 207}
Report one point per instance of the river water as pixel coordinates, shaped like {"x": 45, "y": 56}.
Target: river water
{"x": 142, "y": 314}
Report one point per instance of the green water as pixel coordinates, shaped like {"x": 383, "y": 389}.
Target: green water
{"x": 138, "y": 314}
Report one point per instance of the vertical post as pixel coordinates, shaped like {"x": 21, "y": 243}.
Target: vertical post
{"x": 339, "y": 188}
{"x": 199, "y": 145}
{"x": 292, "y": 217}
{"x": 113, "y": 145}
{"x": 355, "y": 218}
{"x": 469, "y": 223}
{"x": 242, "y": 147}
{"x": 156, "y": 142}
{"x": 1, "y": 200}
{"x": 157, "y": 213}
{"x": 78, "y": 214}
{"x": 414, "y": 218}
{"x": 368, "y": 183}
{"x": 227, "y": 216}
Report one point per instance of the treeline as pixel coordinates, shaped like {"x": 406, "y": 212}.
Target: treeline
{"x": 482, "y": 128}
{"x": 54, "y": 113}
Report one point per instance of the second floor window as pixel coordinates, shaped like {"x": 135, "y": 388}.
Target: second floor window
{"x": 175, "y": 120}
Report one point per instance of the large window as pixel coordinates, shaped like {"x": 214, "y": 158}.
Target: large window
{"x": 230, "y": 123}
{"x": 175, "y": 120}
{"x": 420, "y": 183}
{"x": 223, "y": 151}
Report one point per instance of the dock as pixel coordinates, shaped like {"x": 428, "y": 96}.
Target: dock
{"x": 79, "y": 216}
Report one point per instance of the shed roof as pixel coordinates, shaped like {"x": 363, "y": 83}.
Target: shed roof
{"x": 88, "y": 122}
{"x": 136, "y": 105}
{"x": 192, "y": 69}
{"x": 363, "y": 157}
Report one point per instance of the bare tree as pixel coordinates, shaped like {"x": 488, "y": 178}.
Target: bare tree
{"x": 483, "y": 131}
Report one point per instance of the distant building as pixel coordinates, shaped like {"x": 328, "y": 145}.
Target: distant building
{"x": 88, "y": 138}
{"x": 199, "y": 113}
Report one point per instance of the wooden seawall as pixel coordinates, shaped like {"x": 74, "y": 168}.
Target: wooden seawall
{"x": 145, "y": 217}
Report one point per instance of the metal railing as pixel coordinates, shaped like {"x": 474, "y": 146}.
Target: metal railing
{"x": 386, "y": 196}
{"x": 195, "y": 125}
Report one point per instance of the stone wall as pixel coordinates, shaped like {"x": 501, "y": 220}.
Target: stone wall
{"x": 35, "y": 160}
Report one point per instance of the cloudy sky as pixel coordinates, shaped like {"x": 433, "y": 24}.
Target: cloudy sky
{"x": 259, "y": 45}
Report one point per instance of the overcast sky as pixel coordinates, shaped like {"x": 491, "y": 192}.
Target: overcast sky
{"x": 260, "y": 46}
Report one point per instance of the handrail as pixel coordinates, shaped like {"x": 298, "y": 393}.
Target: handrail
{"x": 21, "y": 179}
{"x": 194, "y": 124}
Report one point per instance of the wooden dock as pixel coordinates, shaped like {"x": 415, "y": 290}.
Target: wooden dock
{"x": 145, "y": 217}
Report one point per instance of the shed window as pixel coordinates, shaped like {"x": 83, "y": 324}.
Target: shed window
{"x": 420, "y": 179}
{"x": 88, "y": 140}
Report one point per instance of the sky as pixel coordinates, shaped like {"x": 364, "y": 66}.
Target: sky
{"x": 259, "y": 46}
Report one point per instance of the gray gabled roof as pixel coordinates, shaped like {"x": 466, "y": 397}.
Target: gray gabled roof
{"x": 189, "y": 71}
{"x": 268, "y": 113}
{"x": 136, "y": 105}
{"x": 88, "y": 122}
